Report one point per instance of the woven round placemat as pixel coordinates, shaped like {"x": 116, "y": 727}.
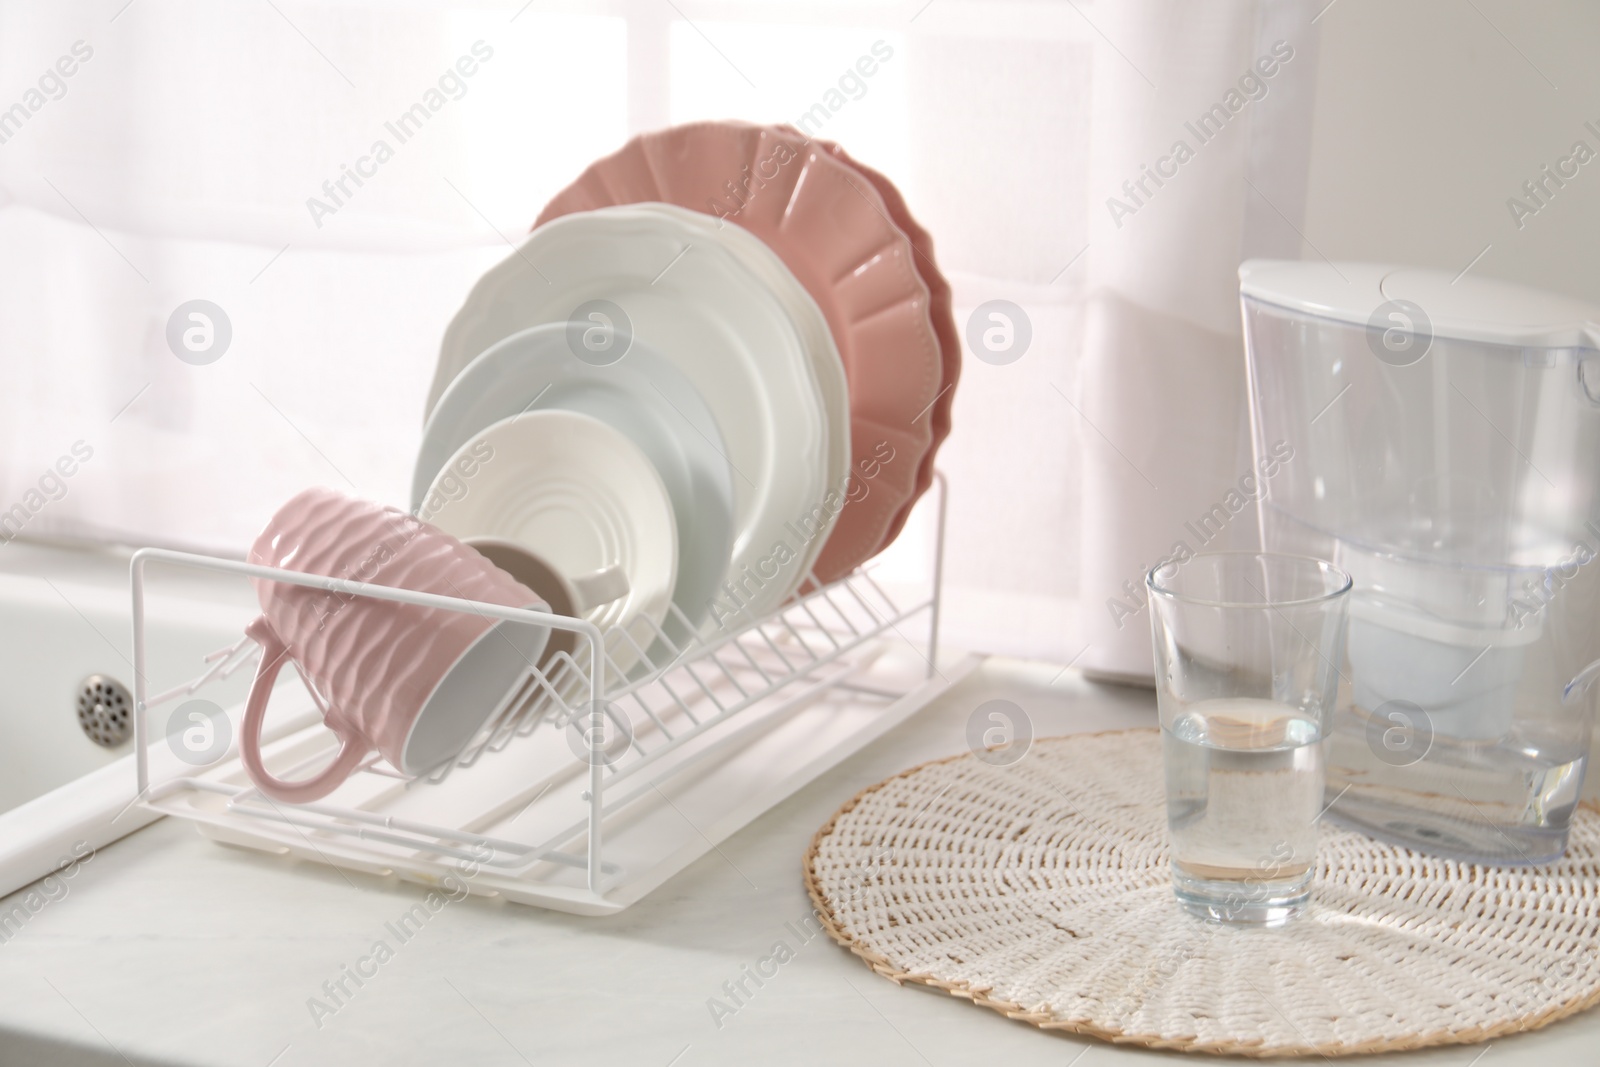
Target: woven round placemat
{"x": 1041, "y": 890}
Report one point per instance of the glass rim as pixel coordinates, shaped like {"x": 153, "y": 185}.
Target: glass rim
{"x": 1326, "y": 566}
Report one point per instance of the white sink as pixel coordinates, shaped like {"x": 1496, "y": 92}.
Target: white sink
{"x": 64, "y": 615}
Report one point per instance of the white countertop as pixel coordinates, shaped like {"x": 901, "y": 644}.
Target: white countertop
{"x": 170, "y": 949}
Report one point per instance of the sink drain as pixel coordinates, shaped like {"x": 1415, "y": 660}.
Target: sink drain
{"x": 103, "y": 710}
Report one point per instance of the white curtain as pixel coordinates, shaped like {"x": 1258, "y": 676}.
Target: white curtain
{"x": 1201, "y": 150}
{"x": 226, "y": 151}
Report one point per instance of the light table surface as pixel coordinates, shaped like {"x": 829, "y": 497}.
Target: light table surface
{"x": 170, "y": 949}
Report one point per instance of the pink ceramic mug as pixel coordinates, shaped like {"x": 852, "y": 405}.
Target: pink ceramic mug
{"x": 413, "y": 683}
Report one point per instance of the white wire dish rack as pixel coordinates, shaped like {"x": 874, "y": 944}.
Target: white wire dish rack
{"x": 575, "y": 796}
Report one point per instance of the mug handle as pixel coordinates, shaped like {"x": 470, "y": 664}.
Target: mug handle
{"x": 600, "y": 587}
{"x": 273, "y": 655}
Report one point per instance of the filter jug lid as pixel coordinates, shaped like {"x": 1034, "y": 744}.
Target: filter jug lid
{"x": 1462, "y": 307}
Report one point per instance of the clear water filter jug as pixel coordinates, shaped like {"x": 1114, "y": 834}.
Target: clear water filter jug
{"x": 1445, "y": 437}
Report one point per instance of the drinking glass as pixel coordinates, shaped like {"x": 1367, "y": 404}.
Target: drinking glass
{"x": 1248, "y": 647}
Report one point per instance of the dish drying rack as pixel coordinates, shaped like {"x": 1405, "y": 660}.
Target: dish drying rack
{"x": 589, "y": 786}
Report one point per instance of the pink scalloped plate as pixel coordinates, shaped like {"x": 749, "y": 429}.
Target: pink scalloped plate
{"x": 833, "y": 231}
{"x": 940, "y": 311}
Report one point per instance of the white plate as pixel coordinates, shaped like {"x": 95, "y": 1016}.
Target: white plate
{"x": 645, "y": 397}
{"x": 581, "y": 495}
{"x": 812, "y": 325}
{"x": 723, "y": 327}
